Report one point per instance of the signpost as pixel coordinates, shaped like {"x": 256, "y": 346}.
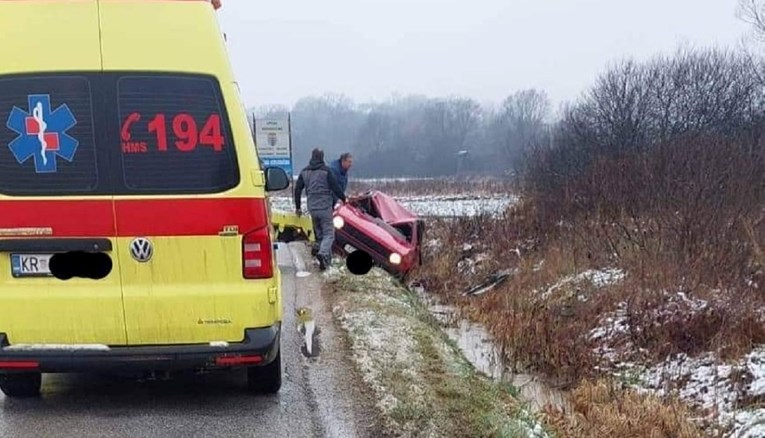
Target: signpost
{"x": 273, "y": 140}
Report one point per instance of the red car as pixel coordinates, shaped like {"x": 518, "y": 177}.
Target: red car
{"x": 374, "y": 229}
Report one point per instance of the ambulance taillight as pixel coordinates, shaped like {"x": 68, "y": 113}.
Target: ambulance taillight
{"x": 257, "y": 255}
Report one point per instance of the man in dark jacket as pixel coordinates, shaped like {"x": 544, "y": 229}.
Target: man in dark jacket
{"x": 321, "y": 189}
{"x": 340, "y": 169}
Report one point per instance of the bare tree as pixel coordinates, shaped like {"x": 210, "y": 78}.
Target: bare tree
{"x": 753, "y": 12}
{"x": 705, "y": 91}
{"x": 421, "y": 136}
{"x": 330, "y": 121}
{"x": 449, "y": 123}
{"x": 633, "y": 106}
{"x": 521, "y": 123}
{"x": 636, "y": 108}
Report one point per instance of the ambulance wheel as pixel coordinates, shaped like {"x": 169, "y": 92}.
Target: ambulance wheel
{"x": 266, "y": 379}
{"x": 21, "y": 385}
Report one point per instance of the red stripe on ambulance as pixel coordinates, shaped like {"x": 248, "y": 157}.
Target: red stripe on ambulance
{"x": 140, "y": 217}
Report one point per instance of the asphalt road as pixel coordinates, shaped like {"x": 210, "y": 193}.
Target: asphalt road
{"x": 320, "y": 396}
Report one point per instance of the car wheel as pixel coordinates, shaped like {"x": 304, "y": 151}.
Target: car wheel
{"x": 287, "y": 236}
{"x": 359, "y": 262}
{"x": 22, "y": 385}
{"x": 266, "y": 379}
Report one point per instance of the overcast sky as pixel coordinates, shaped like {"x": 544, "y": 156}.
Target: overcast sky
{"x": 485, "y": 49}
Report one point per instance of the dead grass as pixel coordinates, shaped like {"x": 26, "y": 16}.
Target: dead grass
{"x": 549, "y": 332}
{"x": 687, "y": 234}
{"x": 603, "y": 409}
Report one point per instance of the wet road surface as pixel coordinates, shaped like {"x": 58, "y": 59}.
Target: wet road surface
{"x": 320, "y": 396}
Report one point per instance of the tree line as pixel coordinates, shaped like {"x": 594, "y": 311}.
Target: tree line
{"x": 631, "y": 107}
{"x": 418, "y": 135}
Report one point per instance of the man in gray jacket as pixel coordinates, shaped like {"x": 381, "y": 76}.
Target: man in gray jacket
{"x": 319, "y": 184}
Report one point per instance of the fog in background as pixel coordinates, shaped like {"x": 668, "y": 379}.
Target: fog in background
{"x": 418, "y": 81}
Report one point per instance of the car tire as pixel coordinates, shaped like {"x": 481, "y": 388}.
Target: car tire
{"x": 22, "y": 385}
{"x": 266, "y": 379}
{"x": 287, "y": 236}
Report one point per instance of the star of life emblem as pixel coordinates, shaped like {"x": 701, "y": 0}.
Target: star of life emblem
{"x": 42, "y": 133}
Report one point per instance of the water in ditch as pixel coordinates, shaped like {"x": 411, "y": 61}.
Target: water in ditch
{"x": 480, "y": 349}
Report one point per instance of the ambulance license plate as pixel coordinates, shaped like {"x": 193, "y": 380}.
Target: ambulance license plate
{"x": 30, "y": 265}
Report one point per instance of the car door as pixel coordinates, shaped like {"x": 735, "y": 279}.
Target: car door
{"x": 195, "y": 253}
{"x": 54, "y": 188}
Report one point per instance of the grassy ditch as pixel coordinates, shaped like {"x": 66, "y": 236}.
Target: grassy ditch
{"x": 423, "y": 385}
{"x": 643, "y": 263}
{"x": 595, "y": 298}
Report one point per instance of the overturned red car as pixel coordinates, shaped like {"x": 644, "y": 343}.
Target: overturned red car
{"x": 375, "y": 230}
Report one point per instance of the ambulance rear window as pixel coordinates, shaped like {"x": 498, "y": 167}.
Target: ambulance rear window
{"x": 175, "y": 135}
{"x": 47, "y": 135}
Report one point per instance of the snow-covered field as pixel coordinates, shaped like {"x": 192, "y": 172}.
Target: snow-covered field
{"x": 402, "y": 179}
{"x": 435, "y": 206}
{"x": 457, "y": 205}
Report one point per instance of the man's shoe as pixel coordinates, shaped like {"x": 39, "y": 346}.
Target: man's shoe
{"x": 323, "y": 265}
{"x": 314, "y": 250}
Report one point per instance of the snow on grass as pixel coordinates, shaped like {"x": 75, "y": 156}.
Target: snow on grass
{"x": 603, "y": 278}
{"x": 384, "y": 349}
{"x": 693, "y": 304}
{"x": 379, "y": 341}
{"x": 612, "y": 325}
{"x": 749, "y": 424}
{"x": 612, "y": 339}
{"x": 422, "y": 383}
{"x": 755, "y": 364}
{"x": 599, "y": 278}
{"x": 726, "y": 393}
{"x": 702, "y": 381}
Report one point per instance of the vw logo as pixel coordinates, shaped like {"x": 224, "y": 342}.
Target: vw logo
{"x": 141, "y": 249}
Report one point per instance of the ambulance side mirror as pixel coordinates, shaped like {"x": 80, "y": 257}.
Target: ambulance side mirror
{"x": 276, "y": 179}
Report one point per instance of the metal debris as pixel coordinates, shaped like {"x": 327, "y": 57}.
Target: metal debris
{"x": 491, "y": 282}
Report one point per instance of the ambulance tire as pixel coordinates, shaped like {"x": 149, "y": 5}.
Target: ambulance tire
{"x": 21, "y": 385}
{"x": 266, "y": 379}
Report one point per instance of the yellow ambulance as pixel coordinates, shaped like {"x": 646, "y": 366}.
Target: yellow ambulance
{"x": 134, "y": 226}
